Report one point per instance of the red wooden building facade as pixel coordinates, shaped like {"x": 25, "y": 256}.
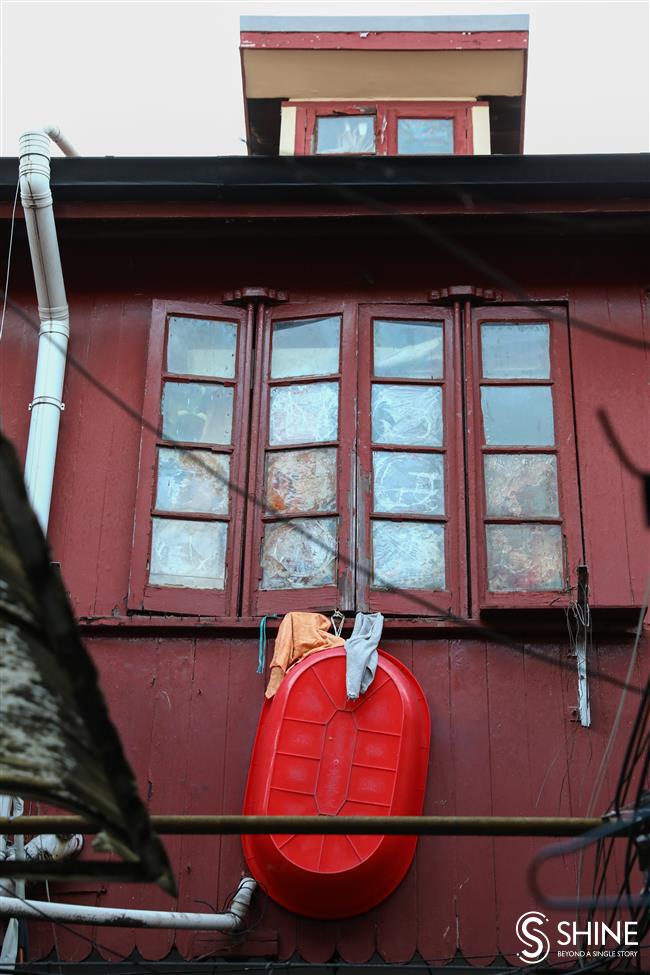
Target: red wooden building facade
{"x": 524, "y": 280}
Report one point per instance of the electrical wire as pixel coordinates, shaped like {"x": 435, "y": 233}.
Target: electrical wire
{"x": 476, "y": 630}
{"x": 621, "y": 704}
{"x": 489, "y": 633}
{"x": 9, "y": 252}
{"x": 605, "y": 848}
{"x": 636, "y": 750}
{"x": 475, "y": 261}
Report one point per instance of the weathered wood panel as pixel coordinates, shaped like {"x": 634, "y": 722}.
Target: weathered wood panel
{"x": 436, "y": 855}
{"x": 612, "y": 376}
{"x": 503, "y": 738}
{"x": 503, "y": 743}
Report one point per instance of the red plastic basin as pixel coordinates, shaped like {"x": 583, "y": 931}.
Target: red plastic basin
{"x": 317, "y": 753}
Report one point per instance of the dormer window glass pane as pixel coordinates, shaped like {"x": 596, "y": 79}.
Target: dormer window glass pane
{"x": 425, "y": 136}
{"x": 339, "y": 134}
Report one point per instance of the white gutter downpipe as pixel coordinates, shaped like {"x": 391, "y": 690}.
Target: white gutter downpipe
{"x": 47, "y": 405}
{"x": 231, "y": 921}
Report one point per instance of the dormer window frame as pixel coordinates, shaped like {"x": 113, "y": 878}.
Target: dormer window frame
{"x": 386, "y": 114}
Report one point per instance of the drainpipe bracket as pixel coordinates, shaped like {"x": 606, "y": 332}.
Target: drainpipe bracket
{"x": 51, "y": 400}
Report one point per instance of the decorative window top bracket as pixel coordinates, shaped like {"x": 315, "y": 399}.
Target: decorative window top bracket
{"x": 464, "y": 292}
{"x": 242, "y": 296}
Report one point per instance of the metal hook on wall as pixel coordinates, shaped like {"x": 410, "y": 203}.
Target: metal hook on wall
{"x": 338, "y": 619}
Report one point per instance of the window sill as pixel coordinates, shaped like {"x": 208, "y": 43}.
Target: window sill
{"x": 524, "y": 624}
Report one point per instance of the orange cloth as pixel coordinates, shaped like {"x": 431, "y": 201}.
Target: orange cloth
{"x": 299, "y": 634}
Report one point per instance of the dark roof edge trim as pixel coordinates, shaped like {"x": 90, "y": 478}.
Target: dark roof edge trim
{"x": 297, "y": 179}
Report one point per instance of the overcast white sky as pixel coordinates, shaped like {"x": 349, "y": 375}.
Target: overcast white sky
{"x": 145, "y": 77}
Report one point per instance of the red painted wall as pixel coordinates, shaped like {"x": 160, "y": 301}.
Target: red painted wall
{"x": 503, "y": 741}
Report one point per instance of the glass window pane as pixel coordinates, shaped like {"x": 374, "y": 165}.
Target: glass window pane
{"x": 306, "y": 413}
{"x": 524, "y": 558}
{"x": 345, "y": 133}
{"x": 515, "y": 351}
{"x": 409, "y": 349}
{"x": 301, "y": 480}
{"x": 407, "y": 415}
{"x": 409, "y": 482}
{"x": 521, "y": 485}
{"x": 299, "y": 554}
{"x": 408, "y": 555}
{"x": 425, "y": 136}
{"x": 188, "y": 553}
{"x": 514, "y": 415}
{"x": 192, "y": 480}
{"x": 309, "y": 348}
{"x": 197, "y": 413}
{"x": 197, "y": 347}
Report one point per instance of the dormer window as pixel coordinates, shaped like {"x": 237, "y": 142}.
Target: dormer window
{"x": 422, "y": 86}
{"x": 389, "y": 128}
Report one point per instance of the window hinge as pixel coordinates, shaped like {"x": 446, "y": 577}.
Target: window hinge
{"x": 464, "y": 292}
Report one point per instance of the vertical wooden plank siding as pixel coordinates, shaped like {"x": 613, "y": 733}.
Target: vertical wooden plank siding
{"x": 116, "y": 531}
{"x": 436, "y": 855}
{"x": 473, "y": 887}
{"x": 130, "y": 686}
{"x": 612, "y": 502}
{"x": 503, "y": 743}
{"x": 511, "y": 783}
{"x": 245, "y": 697}
{"x": 551, "y": 737}
{"x": 397, "y": 917}
{"x": 503, "y": 738}
{"x": 198, "y": 878}
{"x": 167, "y": 770}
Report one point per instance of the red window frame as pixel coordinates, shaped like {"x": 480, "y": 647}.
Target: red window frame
{"x": 564, "y": 449}
{"x": 386, "y": 115}
{"x": 466, "y": 593}
{"x": 459, "y": 112}
{"x": 308, "y": 114}
{"x": 143, "y": 595}
{"x": 411, "y": 602}
{"x": 257, "y": 601}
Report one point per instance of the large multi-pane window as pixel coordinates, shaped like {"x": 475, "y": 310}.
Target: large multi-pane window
{"x": 406, "y": 458}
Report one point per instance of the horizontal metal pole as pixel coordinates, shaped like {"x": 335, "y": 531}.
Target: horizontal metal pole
{"x": 352, "y": 825}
